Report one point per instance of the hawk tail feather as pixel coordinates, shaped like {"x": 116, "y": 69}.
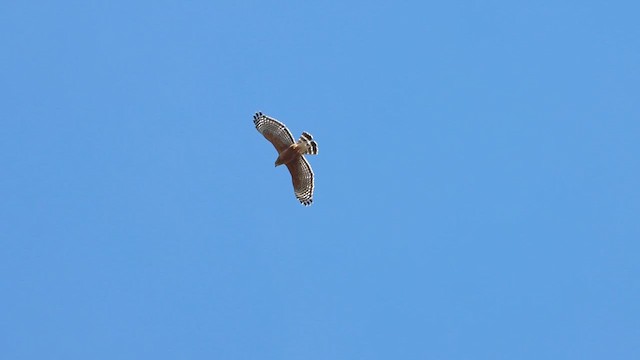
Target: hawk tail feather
{"x": 310, "y": 145}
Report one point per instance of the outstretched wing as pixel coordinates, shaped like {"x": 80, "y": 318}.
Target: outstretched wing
{"x": 275, "y": 131}
{"x": 302, "y": 177}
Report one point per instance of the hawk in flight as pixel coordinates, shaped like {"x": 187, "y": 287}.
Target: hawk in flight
{"x": 290, "y": 153}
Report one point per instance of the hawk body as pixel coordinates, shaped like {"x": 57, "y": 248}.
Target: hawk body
{"x": 306, "y": 145}
{"x": 290, "y": 153}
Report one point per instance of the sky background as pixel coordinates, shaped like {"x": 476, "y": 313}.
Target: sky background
{"x": 477, "y": 186}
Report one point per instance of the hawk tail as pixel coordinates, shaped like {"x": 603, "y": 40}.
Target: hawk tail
{"x": 310, "y": 145}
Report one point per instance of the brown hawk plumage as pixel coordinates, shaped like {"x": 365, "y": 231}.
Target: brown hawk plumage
{"x": 290, "y": 153}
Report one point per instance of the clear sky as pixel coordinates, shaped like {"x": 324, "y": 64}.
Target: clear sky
{"x": 477, "y": 187}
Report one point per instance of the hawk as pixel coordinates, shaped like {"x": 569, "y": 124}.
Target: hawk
{"x": 290, "y": 153}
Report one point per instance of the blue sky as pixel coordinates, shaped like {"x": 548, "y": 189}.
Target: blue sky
{"x": 476, "y": 188}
